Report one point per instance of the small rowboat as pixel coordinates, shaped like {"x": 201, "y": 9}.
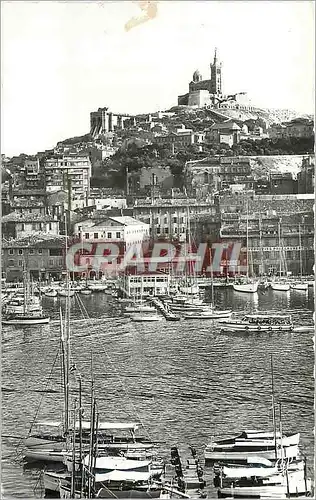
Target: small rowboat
{"x": 21, "y": 320}
{"x": 145, "y": 317}
{"x": 51, "y": 293}
{"x": 211, "y": 314}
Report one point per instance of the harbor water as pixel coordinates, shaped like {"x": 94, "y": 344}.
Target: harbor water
{"x": 185, "y": 381}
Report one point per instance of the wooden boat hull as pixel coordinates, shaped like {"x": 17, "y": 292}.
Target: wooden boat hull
{"x": 26, "y": 320}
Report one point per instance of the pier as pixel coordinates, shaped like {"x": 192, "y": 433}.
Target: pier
{"x": 161, "y": 307}
{"x": 188, "y": 472}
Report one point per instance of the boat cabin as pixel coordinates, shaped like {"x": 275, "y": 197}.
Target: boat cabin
{"x": 260, "y": 319}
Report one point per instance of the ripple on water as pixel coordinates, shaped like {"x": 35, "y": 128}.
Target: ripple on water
{"x": 185, "y": 381}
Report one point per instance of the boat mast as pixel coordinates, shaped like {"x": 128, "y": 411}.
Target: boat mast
{"x": 81, "y": 468}
{"x": 300, "y": 247}
{"x": 273, "y": 410}
{"x": 91, "y": 446}
{"x": 64, "y": 370}
{"x": 187, "y": 241}
{"x": 247, "y": 241}
{"x": 67, "y": 330}
{"x": 280, "y": 418}
{"x": 280, "y": 251}
{"x": 73, "y": 470}
{"x": 25, "y": 291}
{"x": 260, "y": 242}
{"x": 212, "y": 280}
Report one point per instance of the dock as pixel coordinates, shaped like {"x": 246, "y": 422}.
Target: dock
{"x": 188, "y": 472}
{"x": 164, "y": 309}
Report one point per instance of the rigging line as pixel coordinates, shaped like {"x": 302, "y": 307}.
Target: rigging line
{"x": 108, "y": 490}
{"x": 114, "y": 369}
{"x": 43, "y": 394}
{"x": 38, "y": 407}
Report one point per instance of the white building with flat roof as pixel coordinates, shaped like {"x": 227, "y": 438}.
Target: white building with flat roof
{"x": 125, "y": 230}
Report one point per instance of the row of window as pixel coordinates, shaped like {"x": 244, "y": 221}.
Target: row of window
{"x": 175, "y": 220}
{"x": 51, "y": 263}
{"x": 96, "y": 235}
{"x": 166, "y": 230}
{"x": 151, "y": 280}
{"x": 21, "y": 251}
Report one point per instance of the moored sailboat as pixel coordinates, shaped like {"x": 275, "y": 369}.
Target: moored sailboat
{"x": 25, "y": 310}
{"x": 300, "y": 284}
{"x": 247, "y": 284}
{"x": 281, "y": 284}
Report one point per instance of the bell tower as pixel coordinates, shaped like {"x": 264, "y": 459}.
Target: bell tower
{"x": 216, "y": 75}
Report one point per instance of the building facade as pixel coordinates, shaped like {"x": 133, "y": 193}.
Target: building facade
{"x": 170, "y": 219}
{"x": 19, "y": 225}
{"x": 68, "y": 172}
{"x": 126, "y": 231}
{"x": 280, "y": 231}
{"x": 43, "y": 257}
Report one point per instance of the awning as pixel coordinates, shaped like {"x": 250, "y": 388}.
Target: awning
{"x": 259, "y": 460}
{"x": 122, "y": 476}
{"x": 118, "y": 463}
{"x": 101, "y": 427}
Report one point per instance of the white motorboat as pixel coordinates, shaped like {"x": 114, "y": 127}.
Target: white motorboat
{"x": 97, "y": 287}
{"x": 259, "y": 323}
{"x": 300, "y": 285}
{"x": 86, "y": 291}
{"x": 247, "y": 286}
{"x": 185, "y": 300}
{"x": 280, "y": 286}
{"x": 208, "y": 314}
{"x": 63, "y": 292}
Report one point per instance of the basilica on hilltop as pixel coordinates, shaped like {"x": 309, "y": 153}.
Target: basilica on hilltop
{"x": 208, "y": 93}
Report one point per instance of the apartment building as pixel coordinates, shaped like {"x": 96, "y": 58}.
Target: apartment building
{"x": 68, "y": 172}
{"x": 169, "y": 218}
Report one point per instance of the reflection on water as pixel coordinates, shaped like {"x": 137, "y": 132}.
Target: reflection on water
{"x": 185, "y": 381}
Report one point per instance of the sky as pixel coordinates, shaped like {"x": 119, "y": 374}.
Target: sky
{"x": 62, "y": 60}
